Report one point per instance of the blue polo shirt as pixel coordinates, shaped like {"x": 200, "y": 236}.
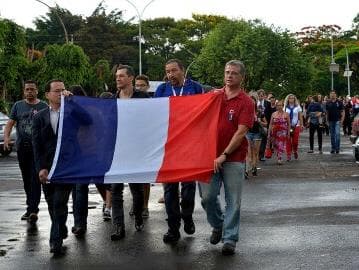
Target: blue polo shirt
{"x": 189, "y": 88}
{"x": 334, "y": 110}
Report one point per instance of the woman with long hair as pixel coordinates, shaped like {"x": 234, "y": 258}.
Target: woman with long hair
{"x": 279, "y": 131}
{"x": 254, "y": 137}
{"x": 292, "y": 107}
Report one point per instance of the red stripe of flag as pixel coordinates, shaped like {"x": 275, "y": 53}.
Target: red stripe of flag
{"x": 192, "y": 138}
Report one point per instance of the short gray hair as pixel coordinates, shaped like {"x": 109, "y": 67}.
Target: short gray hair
{"x": 239, "y": 64}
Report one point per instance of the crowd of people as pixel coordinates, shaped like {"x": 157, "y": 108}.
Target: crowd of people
{"x": 252, "y": 126}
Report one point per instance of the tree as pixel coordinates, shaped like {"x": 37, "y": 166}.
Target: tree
{"x": 271, "y": 57}
{"x": 67, "y": 62}
{"x": 12, "y": 59}
{"x": 107, "y": 36}
{"x": 49, "y": 30}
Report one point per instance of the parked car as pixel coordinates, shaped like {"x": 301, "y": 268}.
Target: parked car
{"x": 3, "y": 120}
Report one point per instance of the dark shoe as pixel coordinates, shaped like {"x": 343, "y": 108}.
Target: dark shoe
{"x": 119, "y": 233}
{"x": 78, "y": 231}
{"x": 145, "y": 213}
{"x": 32, "y": 218}
{"x": 228, "y": 249}
{"x": 216, "y": 237}
{"x": 295, "y": 155}
{"x": 58, "y": 250}
{"x": 254, "y": 171}
{"x": 171, "y": 237}
{"x": 246, "y": 175}
{"x": 189, "y": 227}
{"x": 25, "y": 216}
{"x": 310, "y": 152}
{"x": 139, "y": 223}
{"x": 332, "y": 152}
{"x": 337, "y": 151}
{"x": 262, "y": 159}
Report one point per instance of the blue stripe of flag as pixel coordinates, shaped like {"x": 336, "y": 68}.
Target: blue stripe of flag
{"x": 88, "y": 140}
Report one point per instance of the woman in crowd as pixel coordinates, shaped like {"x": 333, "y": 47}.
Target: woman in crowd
{"x": 279, "y": 131}
{"x": 294, "y": 110}
{"x": 254, "y": 136}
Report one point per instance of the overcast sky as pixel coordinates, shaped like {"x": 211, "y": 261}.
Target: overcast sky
{"x": 289, "y": 14}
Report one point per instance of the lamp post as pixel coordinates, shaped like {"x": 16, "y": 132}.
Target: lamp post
{"x": 58, "y": 17}
{"x": 347, "y": 71}
{"x": 333, "y": 67}
{"x": 139, "y": 14}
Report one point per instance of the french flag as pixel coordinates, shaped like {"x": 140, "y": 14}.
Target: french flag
{"x": 164, "y": 140}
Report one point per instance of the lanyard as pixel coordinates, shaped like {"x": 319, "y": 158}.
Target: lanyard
{"x": 174, "y": 92}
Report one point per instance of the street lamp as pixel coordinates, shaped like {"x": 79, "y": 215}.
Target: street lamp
{"x": 58, "y": 17}
{"x": 347, "y": 71}
{"x": 333, "y": 67}
{"x": 139, "y": 31}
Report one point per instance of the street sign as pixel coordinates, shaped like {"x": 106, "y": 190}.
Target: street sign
{"x": 348, "y": 73}
{"x": 334, "y": 67}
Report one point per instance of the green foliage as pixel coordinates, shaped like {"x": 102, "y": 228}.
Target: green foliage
{"x": 12, "y": 59}
{"x": 271, "y": 57}
{"x": 67, "y": 62}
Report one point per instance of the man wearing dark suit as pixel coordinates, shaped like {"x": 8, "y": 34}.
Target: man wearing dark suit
{"x": 263, "y": 105}
{"x": 44, "y": 137}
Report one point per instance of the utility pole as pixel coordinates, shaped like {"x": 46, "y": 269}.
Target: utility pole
{"x": 140, "y": 31}
{"x": 333, "y": 67}
{"x": 347, "y": 72}
{"x": 59, "y": 18}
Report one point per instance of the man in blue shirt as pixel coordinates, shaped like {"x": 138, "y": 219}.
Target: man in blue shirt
{"x": 178, "y": 85}
{"x": 335, "y": 117}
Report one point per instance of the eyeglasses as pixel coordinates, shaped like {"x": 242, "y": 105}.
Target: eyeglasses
{"x": 57, "y": 91}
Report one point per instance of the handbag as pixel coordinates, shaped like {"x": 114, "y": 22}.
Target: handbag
{"x": 268, "y": 153}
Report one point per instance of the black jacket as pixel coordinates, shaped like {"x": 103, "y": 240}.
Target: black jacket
{"x": 43, "y": 140}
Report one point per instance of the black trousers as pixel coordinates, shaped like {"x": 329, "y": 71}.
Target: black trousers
{"x": 174, "y": 214}
{"x": 312, "y": 129}
{"x": 32, "y": 185}
{"x": 117, "y": 202}
{"x": 57, "y": 197}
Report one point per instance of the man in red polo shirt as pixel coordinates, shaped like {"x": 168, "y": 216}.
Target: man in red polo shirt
{"x": 236, "y": 117}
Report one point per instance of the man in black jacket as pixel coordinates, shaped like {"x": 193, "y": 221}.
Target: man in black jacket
{"x": 44, "y": 137}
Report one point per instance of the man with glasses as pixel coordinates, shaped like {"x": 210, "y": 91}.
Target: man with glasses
{"x": 44, "y": 130}
{"x": 21, "y": 115}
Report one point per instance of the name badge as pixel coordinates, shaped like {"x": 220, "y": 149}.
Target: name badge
{"x": 230, "y": 115}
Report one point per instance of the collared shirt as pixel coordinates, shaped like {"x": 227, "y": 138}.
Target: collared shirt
{"x": 190, "y": 87}
{"x": 236, "y": 111}
{"x": 54, "y": 119}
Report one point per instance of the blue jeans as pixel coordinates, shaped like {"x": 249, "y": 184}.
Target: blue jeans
{"x": 334, "y": 127}
{"x": 80, "y": 200}
{"x": 57, "y": 197}
{"x": 231, "y": 176}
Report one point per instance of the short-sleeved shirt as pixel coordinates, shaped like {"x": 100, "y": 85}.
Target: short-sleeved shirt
{"x": 236, "y": 111}
{"x": 334, "y": 109}
{"x": 190, "y": 87}
{"x": 295, "y": 116}
{"x": 23, "y": 113}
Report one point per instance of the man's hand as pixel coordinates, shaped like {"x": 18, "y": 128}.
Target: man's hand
{"x": 218, "y": 163}
{"x": 7, "y": 142}
{"x": 66, "y": 93}
{"x": 43, "y": 174}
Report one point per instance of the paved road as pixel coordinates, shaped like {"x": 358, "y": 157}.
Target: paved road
{"x": 301, "y": 215}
